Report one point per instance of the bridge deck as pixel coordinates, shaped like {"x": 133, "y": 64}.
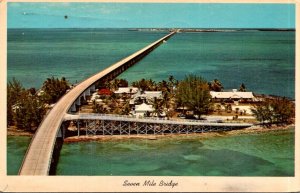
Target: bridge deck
{"x": 111, "y": 117}
{"x": 37, "y": 160}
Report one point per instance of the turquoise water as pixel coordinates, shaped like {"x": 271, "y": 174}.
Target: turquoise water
{"x": 264, "y": 61}
{"x": 264, "y": 154}
{"x": 258, "y": 59}
{"x": 16, "y": 149}
{"x": 73, "y": 53}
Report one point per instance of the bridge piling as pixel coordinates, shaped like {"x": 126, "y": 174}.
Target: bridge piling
{"x": 131, "y": 126}
{"x": 45, "y": 139}
{"x": 78, "y": 102}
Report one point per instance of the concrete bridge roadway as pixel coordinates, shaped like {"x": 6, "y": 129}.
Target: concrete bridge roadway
{"x": 38, "y": 157}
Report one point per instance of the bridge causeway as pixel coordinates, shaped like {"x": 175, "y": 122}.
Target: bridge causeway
{"x": 109, "y": 124}
{"x": 46, "y": 143}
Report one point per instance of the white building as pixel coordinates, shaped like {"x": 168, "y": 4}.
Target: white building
{"x": 126, "y": 90}
{"x": 143, "y": 108}
{"x": 232, "y": 95}
{"x": 152, "y": 94}
{"x": 148, "y": 95}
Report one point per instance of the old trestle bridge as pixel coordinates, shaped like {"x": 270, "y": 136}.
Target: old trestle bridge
{"x": 43, "y": 152}
{"x": 105, "y": 124}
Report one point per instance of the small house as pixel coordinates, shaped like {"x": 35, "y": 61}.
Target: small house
{"x": 142, "y": 109}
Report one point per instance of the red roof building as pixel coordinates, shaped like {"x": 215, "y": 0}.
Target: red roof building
{"x": 104, "y": 91}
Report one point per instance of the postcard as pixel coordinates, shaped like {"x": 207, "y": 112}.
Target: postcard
{"x": 152, "y": 96}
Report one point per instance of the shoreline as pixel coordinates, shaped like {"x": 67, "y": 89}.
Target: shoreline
{"x": 11, "y": 131}
{"x": 253, "y": 129}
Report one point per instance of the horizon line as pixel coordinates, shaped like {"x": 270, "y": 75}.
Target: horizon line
{"x": 278, "y": 28}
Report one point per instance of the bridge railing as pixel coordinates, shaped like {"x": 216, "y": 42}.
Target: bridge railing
{"x": 87, "y": 115}
{"x": 115, "y": 117}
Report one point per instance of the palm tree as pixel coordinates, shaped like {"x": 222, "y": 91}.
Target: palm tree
{"x": 242, "y": 88}
{"x": 166, "y": 100}
{"x": 125, "y": 109}
{"x": 54, "y": 89}
{"x": 163, "y": 86}
{"x": 216, "y": 85}
{"x": 97, "y": 108}
{"x": 157, "y": 106}
{"x": 14, "y": 91}
{"x": 113, "y": 84}
{"x": 172, "y": 83}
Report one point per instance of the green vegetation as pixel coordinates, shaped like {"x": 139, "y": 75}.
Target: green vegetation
{"x": 14, "y": 92}
{"x": 53, "y": 89}
{"x": 274, "y": 111}
{"x": 215, "y": 85}
{"x": 193, "y": 92}
{"x": 150, "y": 85}
{"x": 144, "y": 84}
{"x": 27, "y": 107}
{"x": 29, "y": 112}
{"x": 116, "y": 83}
{"x": 242, "y": 88}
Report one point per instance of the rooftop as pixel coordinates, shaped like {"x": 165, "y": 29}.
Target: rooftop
{"x": 232, "y": 94}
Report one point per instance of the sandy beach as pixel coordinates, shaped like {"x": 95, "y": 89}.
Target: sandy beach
{"x": 13, "y": 131}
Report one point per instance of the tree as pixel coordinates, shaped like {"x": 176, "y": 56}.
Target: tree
{"x": 123, "y": 83}
{"x": 29, "y": 111}
{"x": 157, "y": 106}
{"x": 14, "y": 91}
{"x": 193, "y": 92}
{"x": 116, "y": 83}
{"x": 163, "y": 86}
{"x": 97, "y": 108}
{"x": 263, "y": 112}
{"x": 53, "y": 89}
{"x": 171, "y": 84}
{"x": 144, "y": 84}
{"x": 215, "y": 85}
{"x": 125, "y": 108}
{"x": 283, "y": 110}
{"x": 242, "y": 88}
{"x": 25, "y": 109}
{"x": 279, "y": 110}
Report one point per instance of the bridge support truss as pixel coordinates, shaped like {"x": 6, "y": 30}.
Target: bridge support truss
{"x": 109, "y": 127}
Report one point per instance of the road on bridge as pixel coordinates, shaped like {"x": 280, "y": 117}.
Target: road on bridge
{"x": 38, "y": 157}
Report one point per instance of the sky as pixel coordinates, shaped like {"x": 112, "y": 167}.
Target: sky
{"x": 155, "y": 15}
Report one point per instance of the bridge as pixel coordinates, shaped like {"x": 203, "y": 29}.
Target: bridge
{"x": 44, "y": 148}
{"x": 111, "y": 124}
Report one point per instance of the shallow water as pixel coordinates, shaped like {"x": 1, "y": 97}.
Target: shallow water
{"x": 16, "y": 149}
{"x": 263, "y": 154}
{"x": 264, "y": 61}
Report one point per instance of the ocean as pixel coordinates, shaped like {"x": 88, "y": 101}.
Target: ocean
{"x": 264, "y": 154}
{"x": 263, "y": 60}
{"x": 261, "y": 154}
